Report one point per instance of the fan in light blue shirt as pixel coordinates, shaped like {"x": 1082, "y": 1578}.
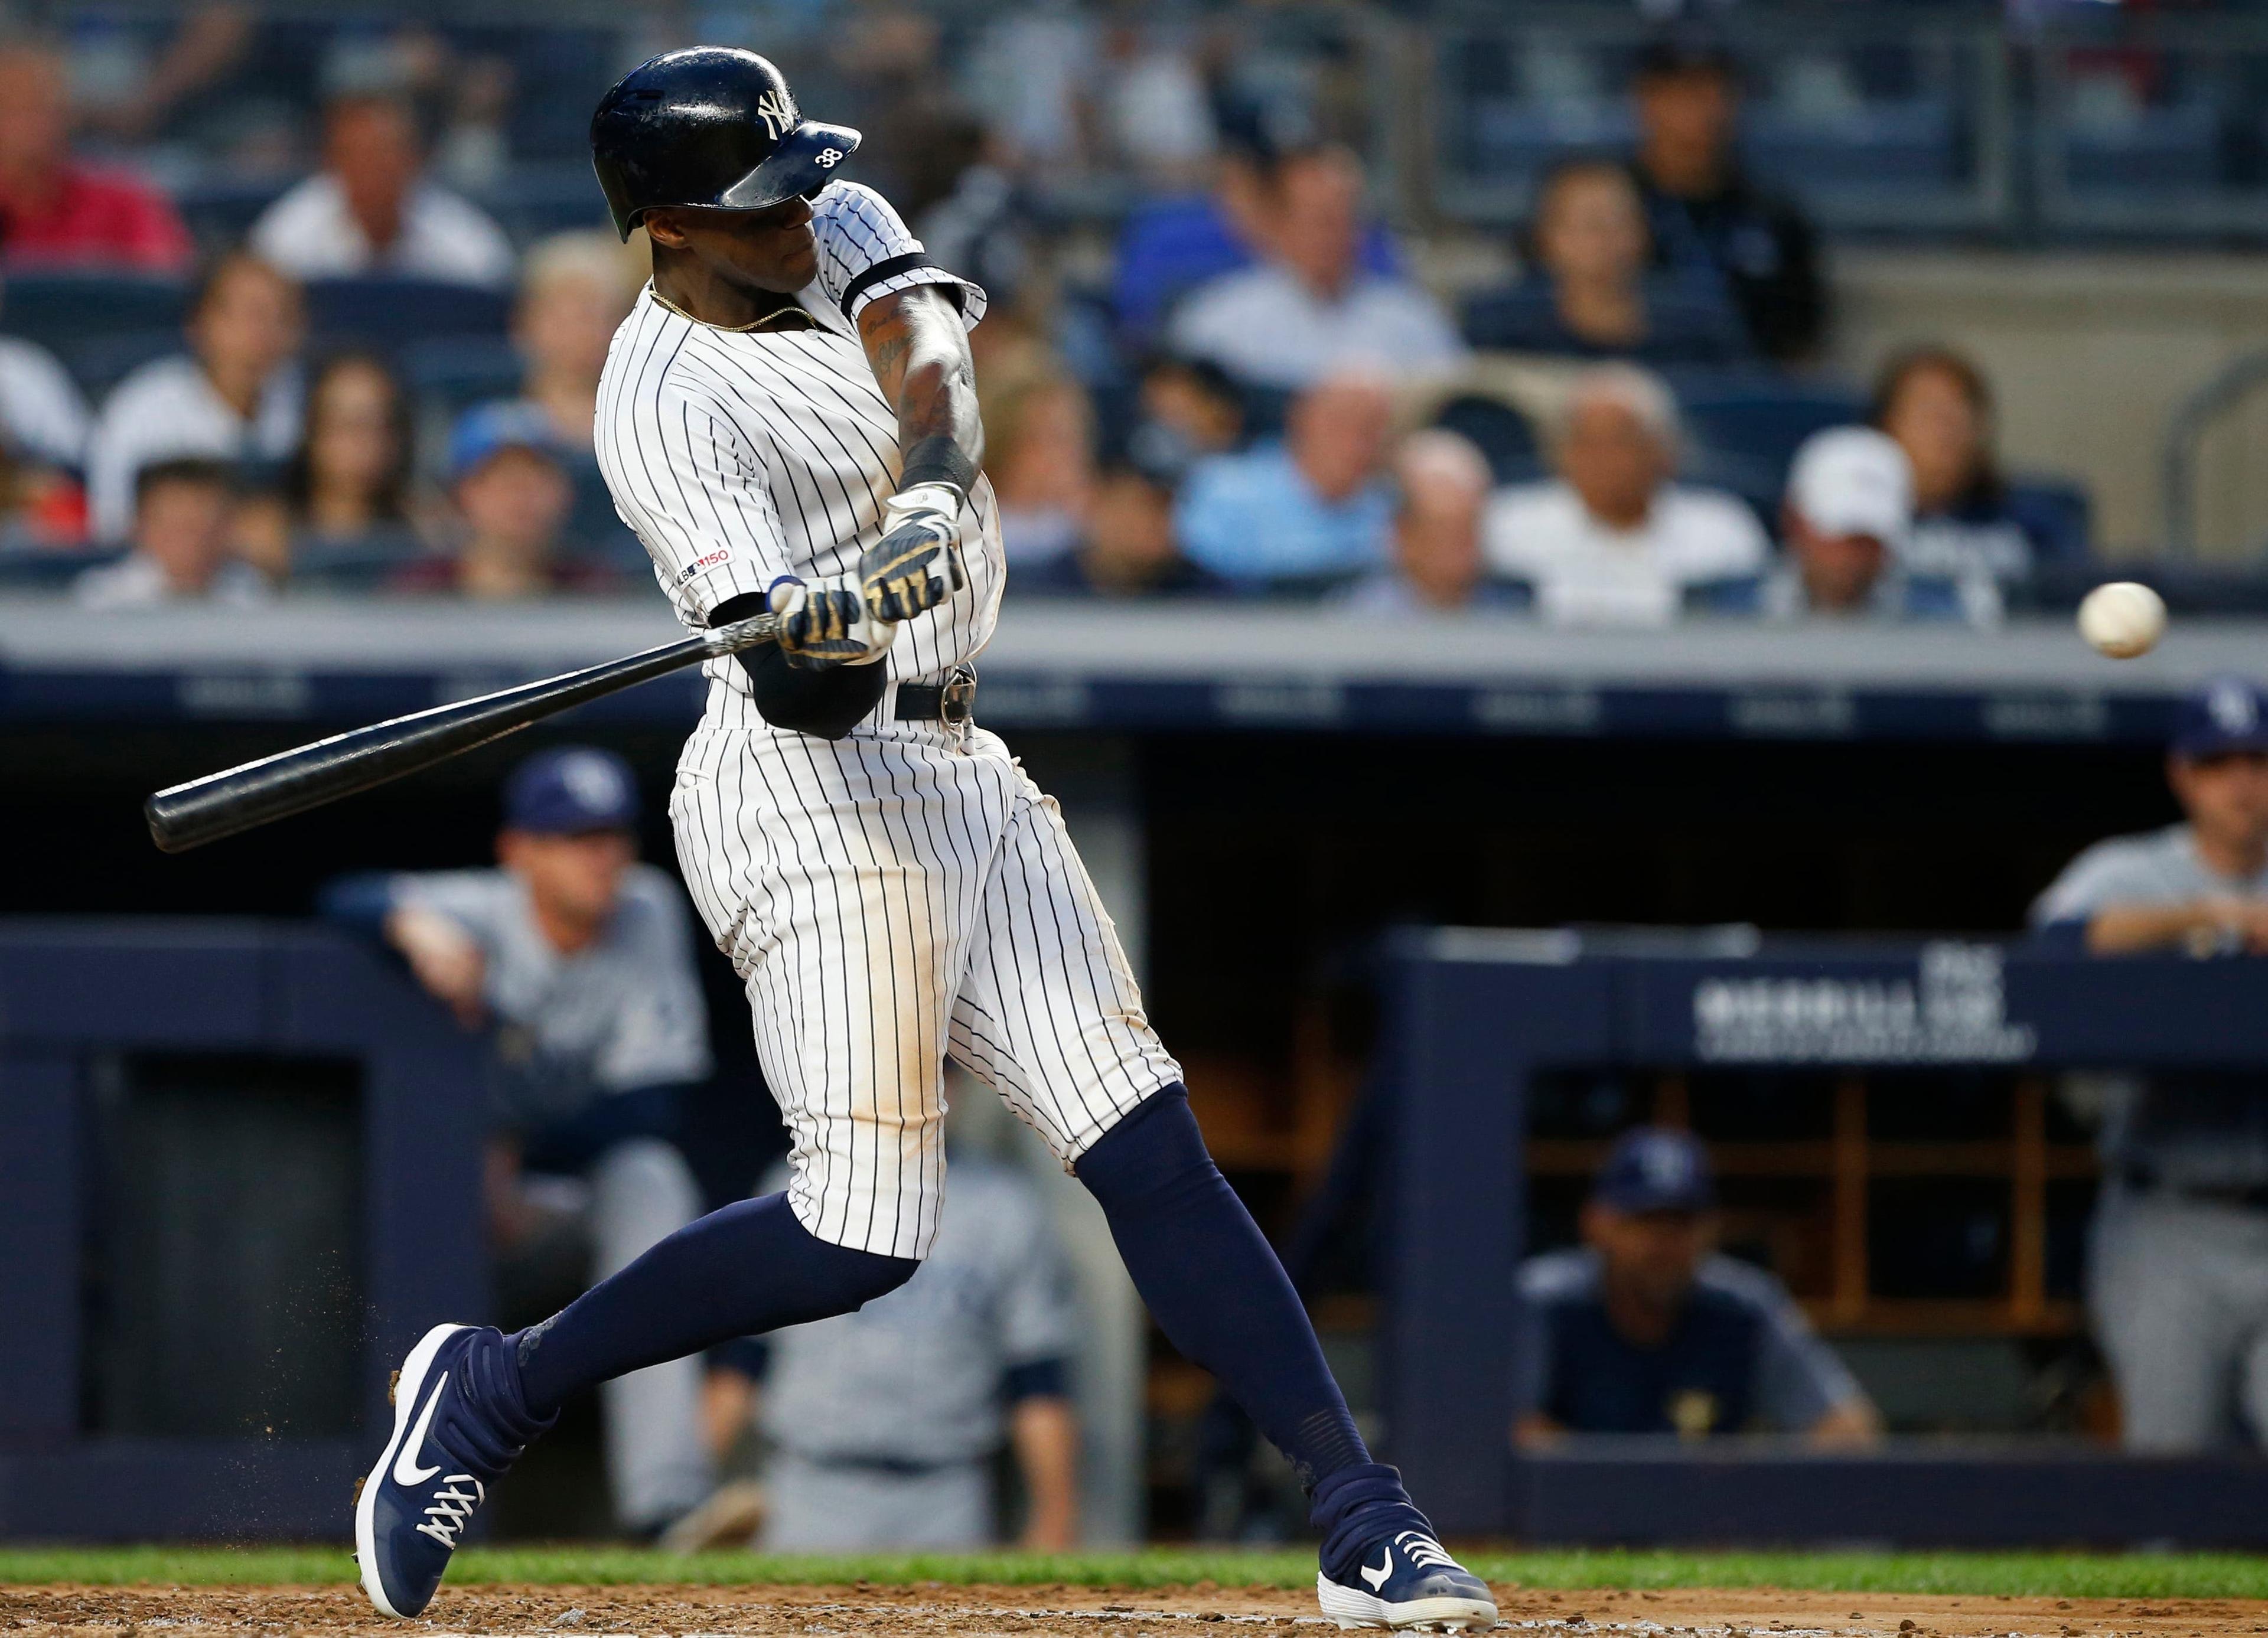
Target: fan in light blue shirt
{"x": 1314, "y": 508}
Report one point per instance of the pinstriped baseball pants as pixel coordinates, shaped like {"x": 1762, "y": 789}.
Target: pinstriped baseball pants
{"x": 889, "y": 898}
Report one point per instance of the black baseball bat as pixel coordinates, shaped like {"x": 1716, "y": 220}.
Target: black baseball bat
{"x": 236, "y": 799}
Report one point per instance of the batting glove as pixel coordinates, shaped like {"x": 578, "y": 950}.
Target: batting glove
{"x": 828, "y": 622}
{"x": 905, "y": 572}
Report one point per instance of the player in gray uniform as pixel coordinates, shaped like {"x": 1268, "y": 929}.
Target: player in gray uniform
{"x": 883, "y": 1423}
{"x": 578, "y": 962}
{"x": 2178, "y": 1281}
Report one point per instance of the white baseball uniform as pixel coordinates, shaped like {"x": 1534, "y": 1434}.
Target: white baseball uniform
{"x": 905, "y": 891}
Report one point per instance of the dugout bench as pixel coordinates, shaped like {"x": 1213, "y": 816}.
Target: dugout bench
{"x": 1474, "y": 1019}
{"x": 240, "y": 1167}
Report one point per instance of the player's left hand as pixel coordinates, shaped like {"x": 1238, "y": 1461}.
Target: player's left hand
{"x": 828, "y": 622}
{"x": 906, "y": 572}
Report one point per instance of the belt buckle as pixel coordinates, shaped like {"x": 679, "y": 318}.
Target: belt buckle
{"x": 956, "y": 701}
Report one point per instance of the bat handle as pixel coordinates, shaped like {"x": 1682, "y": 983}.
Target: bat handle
{"x": 742, "y": 633}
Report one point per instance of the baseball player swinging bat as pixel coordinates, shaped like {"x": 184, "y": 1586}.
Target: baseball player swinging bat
{"x": 788, "y": 421}
{"x": 241, "y": 799}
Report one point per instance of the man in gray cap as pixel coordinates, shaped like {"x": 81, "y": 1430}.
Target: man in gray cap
{"x": 576, "y": 961}
{"x": 2178, "y": 1282}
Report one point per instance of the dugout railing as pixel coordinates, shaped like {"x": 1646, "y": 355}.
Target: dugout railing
{"x": 1477, "y": 1021}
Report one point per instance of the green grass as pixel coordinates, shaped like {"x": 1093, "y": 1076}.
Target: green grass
{"x": 2071, "y": 1575}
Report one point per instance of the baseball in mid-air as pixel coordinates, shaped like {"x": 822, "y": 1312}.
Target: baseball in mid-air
{"x": 2122, "y": 619}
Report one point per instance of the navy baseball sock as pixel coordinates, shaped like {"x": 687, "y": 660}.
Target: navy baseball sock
{"x": 1217, "y": 1290}
{"x": 750, "y": 1268}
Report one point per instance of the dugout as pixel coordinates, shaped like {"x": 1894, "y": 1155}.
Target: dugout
{"x": 1477, "y": 1023}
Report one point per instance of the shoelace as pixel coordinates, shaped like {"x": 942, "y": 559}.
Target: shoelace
{"x": 1424, "y": 1551}
{"x": 447, "y": 1514}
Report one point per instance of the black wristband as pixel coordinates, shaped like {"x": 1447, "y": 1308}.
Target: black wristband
{"x": 937, "y": 458}
{"x": 887, "y": 268}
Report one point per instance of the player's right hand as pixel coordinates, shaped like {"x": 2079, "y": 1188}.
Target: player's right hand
{"x": 828, "y": 622}
{"x": 446, "y": 958}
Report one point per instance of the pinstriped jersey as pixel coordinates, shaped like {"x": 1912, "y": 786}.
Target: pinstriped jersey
{"x": 739, "y": 456}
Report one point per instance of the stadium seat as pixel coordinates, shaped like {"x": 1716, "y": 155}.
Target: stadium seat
{"x": 99, "y": 363}
{"x": 62, "y": 311}
{"x": 364, "y": 565}
{"x": 452, "y": 374}
{"x": 1501, "y": 434}
{"x": 536, "y": 201}
{"x": 2059, "y": 516}
{"x": 1753, "y": 422}
{"x": 1877, "y": 146}
{"x": 2177, "y": 148}
{"x": 220, "y": 210}
{"x": 389, "y": 315}
{"x": 31, "y": 569}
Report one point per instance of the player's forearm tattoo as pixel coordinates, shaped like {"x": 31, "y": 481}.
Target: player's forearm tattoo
{"x": 914, "y": 342}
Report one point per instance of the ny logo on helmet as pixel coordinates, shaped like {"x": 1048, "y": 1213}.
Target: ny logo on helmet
{"x": 778, "y": 113}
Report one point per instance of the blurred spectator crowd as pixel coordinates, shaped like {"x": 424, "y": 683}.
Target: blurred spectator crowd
{"x": 273, "y": 318}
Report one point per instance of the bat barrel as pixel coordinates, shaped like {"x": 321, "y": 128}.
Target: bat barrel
{"x": 241, "y": 799}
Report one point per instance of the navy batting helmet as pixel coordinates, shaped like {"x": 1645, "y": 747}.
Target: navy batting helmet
{"x": 711, "y": 126}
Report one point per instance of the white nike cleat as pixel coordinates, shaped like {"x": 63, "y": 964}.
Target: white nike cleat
{"x": 1407, "y": 1581}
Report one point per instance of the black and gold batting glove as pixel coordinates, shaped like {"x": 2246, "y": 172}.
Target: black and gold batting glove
{"x": 917, "y": 564}
{"x": 828, "y": 622}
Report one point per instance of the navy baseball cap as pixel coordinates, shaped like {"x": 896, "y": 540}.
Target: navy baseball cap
{"x": 1656, "y": 1169}
{"x": 1686, "y": 45}
{"x": 2227, "y": 714}
{"x": 572, "y": 791}
{"x": 493, "y": 427}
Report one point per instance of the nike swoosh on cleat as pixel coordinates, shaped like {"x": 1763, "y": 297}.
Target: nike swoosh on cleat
{"x": 1377, "y": 1577}
{"x": 406, "y": 1471}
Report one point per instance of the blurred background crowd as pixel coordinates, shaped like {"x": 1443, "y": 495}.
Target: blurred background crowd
{"x": 302, "y": 298}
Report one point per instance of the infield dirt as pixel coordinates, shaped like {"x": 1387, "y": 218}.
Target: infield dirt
{"x": 1044, "y": 1612}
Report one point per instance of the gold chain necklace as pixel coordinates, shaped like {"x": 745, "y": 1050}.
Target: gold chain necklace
{"x": 787, "y": 309}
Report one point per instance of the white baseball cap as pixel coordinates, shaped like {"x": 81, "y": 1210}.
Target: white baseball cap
{"x": 1853, "y": 481}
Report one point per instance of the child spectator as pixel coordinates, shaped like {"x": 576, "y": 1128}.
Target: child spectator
{"x": 1126, "y": 547}
{"x": 508, "y": 473}
{"x": 184, "y": 513}
{"x": 1313, "y": 508}
{"x": 350, "y": 484}
{"x": 1588, "y": 294}
{"x": 1441, "y": 486}
{"x": 1311, "y": 307}
{"x": 1939, "y": 406}
{"x": 1611, "y": 540}
{"x": 371, "y": 210}
{"x": 1847, "y": 520}
{"x": 1039, "y": 439}
{"x": 233, "y": 396}
{"x": 55, "y": 211}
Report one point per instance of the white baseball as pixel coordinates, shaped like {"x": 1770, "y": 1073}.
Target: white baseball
{"x": 2122, "y": 619}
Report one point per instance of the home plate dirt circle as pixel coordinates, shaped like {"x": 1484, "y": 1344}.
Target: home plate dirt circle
{"x": 922, "y": 1610}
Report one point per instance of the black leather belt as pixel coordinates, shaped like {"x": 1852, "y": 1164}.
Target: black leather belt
{"x": 952, "y": 700}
